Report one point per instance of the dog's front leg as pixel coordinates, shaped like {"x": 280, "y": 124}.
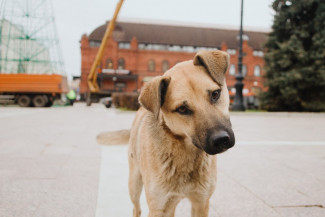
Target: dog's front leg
{"x": 163, "y": 207}
{"x": 200, "y": 208}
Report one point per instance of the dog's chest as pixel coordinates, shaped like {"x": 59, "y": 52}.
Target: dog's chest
{"x": 183, "y": 175}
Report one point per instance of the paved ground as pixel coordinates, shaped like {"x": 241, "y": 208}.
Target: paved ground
{"x": 50, "y": 165}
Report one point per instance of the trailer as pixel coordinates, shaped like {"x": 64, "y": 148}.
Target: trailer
{"x": 32, "y": 89}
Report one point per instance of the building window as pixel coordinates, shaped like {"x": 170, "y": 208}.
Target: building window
{"x": 94, "y": 43}
{"x": 165, "y": 66}
{"x": 109, "y": 63}
{"x": 151, "y": 66}
{"x": 231, "y": 51}
{"x": 122, "y": 45}
{"x": 257, "y": 71}
{"x": 175, "y": 48}
{"x": 121, "y": 64}
{"x": 244, "y": 70}
{"x": 189, "y": 49}
{"x": 232, "y": 69}
{"x": 258, "y": 53}
{"x": 142, "y": 46}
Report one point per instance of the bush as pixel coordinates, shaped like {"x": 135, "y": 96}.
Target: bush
{"x": 126, "y": 100}
{"x": 294, "y": 57}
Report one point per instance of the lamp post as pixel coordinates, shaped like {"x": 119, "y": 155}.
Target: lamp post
{"x": 238, "y": 104}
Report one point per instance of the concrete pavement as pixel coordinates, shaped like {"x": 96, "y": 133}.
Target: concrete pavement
{"x": 51, "y": 165}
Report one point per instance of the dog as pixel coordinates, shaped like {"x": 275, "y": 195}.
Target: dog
{"x": 182, "y": 124}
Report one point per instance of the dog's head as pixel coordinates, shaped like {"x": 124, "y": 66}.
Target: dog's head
{"x": 191, "y": 102}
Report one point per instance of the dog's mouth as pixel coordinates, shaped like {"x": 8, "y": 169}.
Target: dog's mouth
{"x": 212, "y": 151}
{"x": 217, "y": 150}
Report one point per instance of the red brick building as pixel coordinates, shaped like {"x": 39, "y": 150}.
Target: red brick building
{"x": 138, "y": 51}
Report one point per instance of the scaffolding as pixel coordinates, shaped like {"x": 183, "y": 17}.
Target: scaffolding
{"x": 28, "y": 38}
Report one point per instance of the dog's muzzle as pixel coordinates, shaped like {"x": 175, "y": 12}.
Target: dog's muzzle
{"x": 219, "y": 141}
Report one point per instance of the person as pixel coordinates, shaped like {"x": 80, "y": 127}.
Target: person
{"x": 71, "y": 96}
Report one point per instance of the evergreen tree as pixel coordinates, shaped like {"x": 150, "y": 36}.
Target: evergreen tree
{"x": 295, "y": 57}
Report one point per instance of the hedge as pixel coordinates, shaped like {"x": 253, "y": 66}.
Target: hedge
{"x": 126, "y": 100}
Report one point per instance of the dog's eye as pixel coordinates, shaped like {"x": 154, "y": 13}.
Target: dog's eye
{"x": 183, "y": 110}
{"x": 215, "y": 95}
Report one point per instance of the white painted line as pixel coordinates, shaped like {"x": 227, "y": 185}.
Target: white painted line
{"x": 280, "y": 143}
{"x": 113, "y": 194}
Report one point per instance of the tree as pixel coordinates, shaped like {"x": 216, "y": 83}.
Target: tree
{"x": 295, "y": 57}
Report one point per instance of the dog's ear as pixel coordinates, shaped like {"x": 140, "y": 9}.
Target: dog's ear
{"x": 216, "y": 62}
{"x": 152, "y": 96}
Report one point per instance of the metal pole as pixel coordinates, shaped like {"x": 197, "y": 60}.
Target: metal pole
{"x": 238, "y": 102}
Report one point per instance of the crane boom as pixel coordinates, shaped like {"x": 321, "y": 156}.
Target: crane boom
{"x": 92, "y": 77}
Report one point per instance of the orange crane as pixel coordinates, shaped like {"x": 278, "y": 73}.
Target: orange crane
{"x": 92, "y": 76}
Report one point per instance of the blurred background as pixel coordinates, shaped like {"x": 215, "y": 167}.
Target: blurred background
{"x": 70, "y": 70}
{"x": 45, "y": 37}
{"x": 271, "y": 44}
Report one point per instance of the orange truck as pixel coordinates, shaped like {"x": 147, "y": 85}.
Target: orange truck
{"x": 31, "y": 90}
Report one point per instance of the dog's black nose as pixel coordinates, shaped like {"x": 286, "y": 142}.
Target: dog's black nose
{"x": 220, "y": 140}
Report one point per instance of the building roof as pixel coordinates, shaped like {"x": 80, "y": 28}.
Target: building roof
{"x": 179, "y": 35}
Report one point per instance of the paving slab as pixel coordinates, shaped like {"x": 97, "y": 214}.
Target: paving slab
{"x": 51, "y": 165}
{"x": 263, "y": 171}
{"x": 301, "y": 211}
{"x": 275, "y": 127}
{"x": 20, "y": 204}
{"x": 258, "y": 187}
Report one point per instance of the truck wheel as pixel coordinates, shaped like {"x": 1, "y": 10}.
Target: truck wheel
{"x": 40, "y": 101}
{"x": 24, "y": 101}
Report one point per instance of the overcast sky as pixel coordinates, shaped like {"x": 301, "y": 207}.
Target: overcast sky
{"x": 76, "y": 17}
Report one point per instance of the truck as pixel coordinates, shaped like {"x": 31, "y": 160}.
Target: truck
{"x": 38, "y": 90}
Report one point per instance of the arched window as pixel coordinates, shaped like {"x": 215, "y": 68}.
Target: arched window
{"x": 232, "y": 69}
{"x": 257, "y": 71}
{"x": 109, "y": 63}
{"x": 151, "y": 66}
{"x": 164, "y": 66}
{"x": 121, "y": 63}
{"x": 244, "y": 70}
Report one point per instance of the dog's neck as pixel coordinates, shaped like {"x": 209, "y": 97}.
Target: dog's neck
{"x": 174, "y": 145}
{"x": 178, "y": 159}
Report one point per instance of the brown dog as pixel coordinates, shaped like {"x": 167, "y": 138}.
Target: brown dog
{"x": 184, "y": 122}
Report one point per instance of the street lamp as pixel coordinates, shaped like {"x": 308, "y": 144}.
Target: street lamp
{"x": 238, "y": 104}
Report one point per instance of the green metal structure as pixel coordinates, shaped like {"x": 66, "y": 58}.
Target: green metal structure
{"x": 28, "y": 38}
